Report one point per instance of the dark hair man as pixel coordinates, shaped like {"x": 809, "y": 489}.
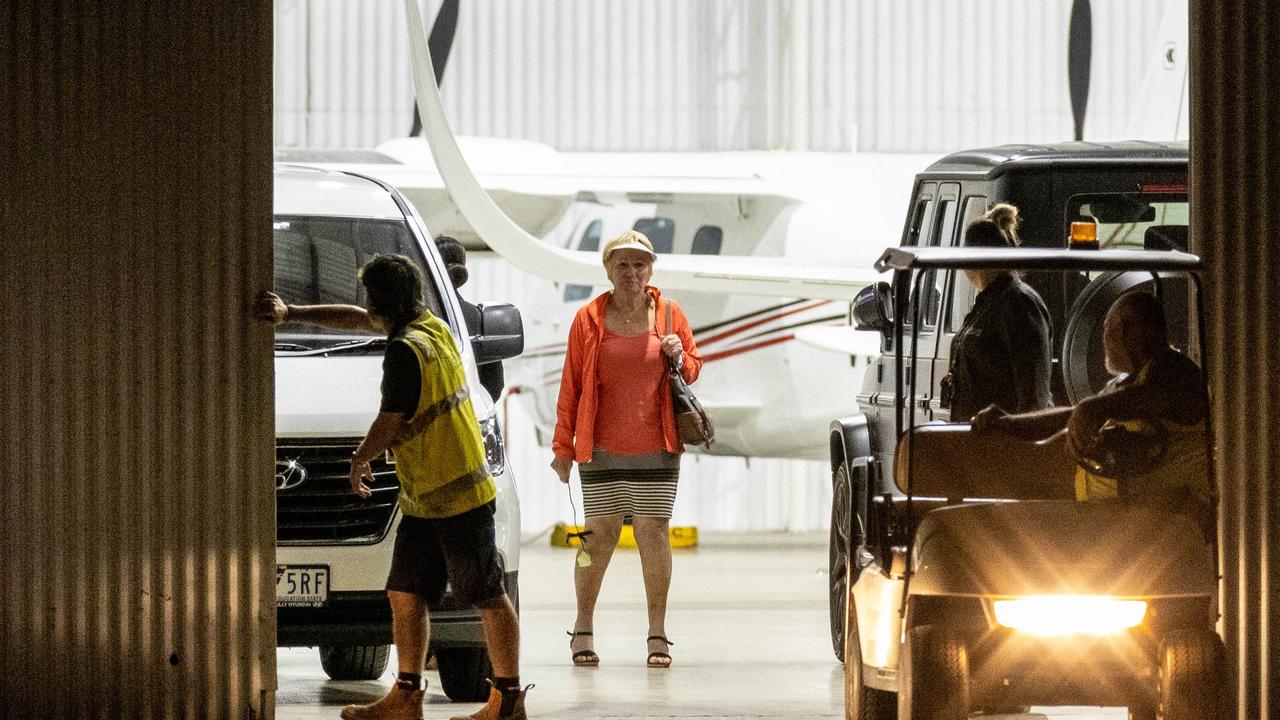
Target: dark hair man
{"x": 455, "y": 260}
{"x": 1156, "y": 390}
{"x": 446, "y": 492}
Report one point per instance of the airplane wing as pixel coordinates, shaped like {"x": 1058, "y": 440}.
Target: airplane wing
{"x": 754, "y": 275}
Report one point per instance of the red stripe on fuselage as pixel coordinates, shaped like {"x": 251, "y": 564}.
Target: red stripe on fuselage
{"x": 758, "y": 323}
{"x": 712, "y": 357}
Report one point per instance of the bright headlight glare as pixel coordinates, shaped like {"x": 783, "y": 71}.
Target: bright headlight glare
{"x": 1069, "y": 614}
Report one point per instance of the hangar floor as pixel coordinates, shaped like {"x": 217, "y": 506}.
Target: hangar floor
{"x": 748, "y": 615}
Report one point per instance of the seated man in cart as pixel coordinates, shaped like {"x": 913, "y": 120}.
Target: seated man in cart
{"x": 1143, "y": 435}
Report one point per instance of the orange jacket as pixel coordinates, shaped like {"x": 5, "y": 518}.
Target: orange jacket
{"x": 576, "y": 407}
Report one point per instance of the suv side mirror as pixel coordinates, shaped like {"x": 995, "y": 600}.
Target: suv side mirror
{"x": 501, "y": 333}
{"x": 872, "y": 308}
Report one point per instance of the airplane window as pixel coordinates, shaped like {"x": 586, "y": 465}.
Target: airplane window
{"x": 707, "y": 240}
{"x": 660, "y": 231}
{"x": 574, "y": 293}
{"x": 316, "y": 259}
{"x": 590, "y": 241}
{"x": 591, "y": 236}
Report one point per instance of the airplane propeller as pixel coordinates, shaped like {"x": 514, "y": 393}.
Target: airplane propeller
{"x": 440, "y": 43}
{"x": 1079, "y": 61}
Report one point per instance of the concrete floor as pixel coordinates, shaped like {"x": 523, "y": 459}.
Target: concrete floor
{"x": 748, "y": 615}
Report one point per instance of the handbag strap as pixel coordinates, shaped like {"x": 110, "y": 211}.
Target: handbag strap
{"x": 675, "y": 365}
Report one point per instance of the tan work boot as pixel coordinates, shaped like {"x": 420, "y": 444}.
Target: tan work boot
{"x": 398, "y": 704}
{"x": 492, "y": 710}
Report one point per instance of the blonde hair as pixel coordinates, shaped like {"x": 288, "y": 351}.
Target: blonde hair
{"x": 1005, "y": 216}
{"x": 998, "y": 227}
{"x": 630, "y": 237}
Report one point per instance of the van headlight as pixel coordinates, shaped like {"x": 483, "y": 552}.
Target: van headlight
{"x": 1048, "y": 615}
{"x": 494, "y": 451}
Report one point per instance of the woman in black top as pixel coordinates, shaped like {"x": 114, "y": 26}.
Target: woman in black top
{"x": 1001, "y": 354}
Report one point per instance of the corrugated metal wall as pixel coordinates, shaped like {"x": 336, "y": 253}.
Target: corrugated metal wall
{"x": 872, "y": 75}
{"x": 1235, "y": 224}
{"x": 136, "y": 564}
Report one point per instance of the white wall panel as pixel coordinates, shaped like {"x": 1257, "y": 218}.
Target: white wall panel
{"x": 882, "y": 75}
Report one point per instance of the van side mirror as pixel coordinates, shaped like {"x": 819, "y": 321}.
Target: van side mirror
{"x": 501, "y": 333}
{"x": 872, "y": 308}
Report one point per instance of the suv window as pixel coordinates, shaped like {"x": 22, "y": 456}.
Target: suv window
{"x": 962, "y": 291}
{"x": 316, "y": 259}
{"x": 1134, "y": 221}
{"x": 944, "y": 223}
{"x": 1129, "y": 221}
{"x": 919, "y": 233}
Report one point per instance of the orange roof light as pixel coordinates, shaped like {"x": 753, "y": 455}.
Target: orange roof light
{"x": 1084, "y": 236}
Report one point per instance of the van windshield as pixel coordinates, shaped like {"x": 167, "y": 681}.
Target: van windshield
{"x": 316, "y": 259}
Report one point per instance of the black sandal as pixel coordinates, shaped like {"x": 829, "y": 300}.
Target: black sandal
{"x": 582, "y": 658}
{"x": 655, "y": 656}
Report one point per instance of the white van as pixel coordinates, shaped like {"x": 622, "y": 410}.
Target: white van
{"x": 333, "y": 549}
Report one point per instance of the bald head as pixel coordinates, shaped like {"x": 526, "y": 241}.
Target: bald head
{"x": 1134, "y": 332}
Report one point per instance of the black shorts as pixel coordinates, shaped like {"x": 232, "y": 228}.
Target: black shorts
{"x": 459, "y": 550}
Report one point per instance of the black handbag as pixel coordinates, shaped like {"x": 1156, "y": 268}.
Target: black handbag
{"x": 693, "y": 425}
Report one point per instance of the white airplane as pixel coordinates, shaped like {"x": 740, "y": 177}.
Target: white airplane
{"x": 764, "y": 250}
{"x": 731, "y": 229}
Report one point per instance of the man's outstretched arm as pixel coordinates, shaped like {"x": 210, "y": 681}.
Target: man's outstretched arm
{"x": 1037, "y": 425}
{"x": 271, "y": 308}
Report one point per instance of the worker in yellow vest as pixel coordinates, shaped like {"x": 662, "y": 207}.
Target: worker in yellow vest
{"x": 446, "y": 492}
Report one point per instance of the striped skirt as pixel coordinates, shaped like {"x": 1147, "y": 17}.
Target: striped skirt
{"x": 629, "y": 484}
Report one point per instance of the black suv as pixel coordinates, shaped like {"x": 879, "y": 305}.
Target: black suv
{"x": 1134, "y": 193}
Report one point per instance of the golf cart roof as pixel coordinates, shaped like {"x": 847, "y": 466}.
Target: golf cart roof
{"x": 958, "y": 258}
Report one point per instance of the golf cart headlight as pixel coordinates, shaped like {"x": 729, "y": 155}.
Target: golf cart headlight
{"x": 493, "y": 448}
{"x": 1069, "y": 614}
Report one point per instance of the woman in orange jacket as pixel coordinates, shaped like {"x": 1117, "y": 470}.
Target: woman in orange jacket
{"x": 615, "y": 418}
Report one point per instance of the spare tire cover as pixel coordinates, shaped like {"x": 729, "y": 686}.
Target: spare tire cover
{"x": 1084, "y": 371}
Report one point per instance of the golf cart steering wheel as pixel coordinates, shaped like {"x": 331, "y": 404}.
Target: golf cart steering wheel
{"x": 1120, "y": 452}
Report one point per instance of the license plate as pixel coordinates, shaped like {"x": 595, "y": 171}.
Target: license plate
{"x": 302, "y": 585}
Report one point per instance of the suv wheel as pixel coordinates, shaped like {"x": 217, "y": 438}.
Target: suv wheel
{"x": 354, "y": 662}
{"x": 838, "y": 557}
{"x": 933, "y": 676}
{"x": 862, "y": 702}
{"x": 463, "y": 673}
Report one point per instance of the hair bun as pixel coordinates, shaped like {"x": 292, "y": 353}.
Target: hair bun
{"x": 1006, "y": 217}
{"x": 457, "y": 274}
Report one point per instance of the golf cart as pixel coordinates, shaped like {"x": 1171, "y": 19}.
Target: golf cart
{"x": 977, "y": 581}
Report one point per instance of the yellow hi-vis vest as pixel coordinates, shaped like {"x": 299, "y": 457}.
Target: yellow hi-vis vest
{"x": 439, "y": 454}
{"x": 1185, "y": 464}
